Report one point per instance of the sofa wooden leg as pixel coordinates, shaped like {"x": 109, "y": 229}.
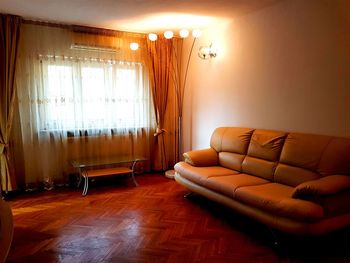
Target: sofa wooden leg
{"x": 276, "y": 240}
{"x": 280, "y": 243}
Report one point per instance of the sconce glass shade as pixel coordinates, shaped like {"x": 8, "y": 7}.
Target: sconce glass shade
{"x": 204, "y": 52}
{"x": 168, "y": 34}
{"x": 207, "y": 52}
{"x": 152, "y": 36}
{"x": 134, "y": 46}
{"x": 184, "y": 33}
{"x": 196, "y": 33}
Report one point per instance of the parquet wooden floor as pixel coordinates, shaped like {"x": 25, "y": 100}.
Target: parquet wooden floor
{"x": 117, "y": 222}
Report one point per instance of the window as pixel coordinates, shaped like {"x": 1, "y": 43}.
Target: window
{"x": 92, "y": 95}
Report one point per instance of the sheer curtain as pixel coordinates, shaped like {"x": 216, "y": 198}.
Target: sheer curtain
{"x": 97, "y": 97}
{"x": 80, "y": 103}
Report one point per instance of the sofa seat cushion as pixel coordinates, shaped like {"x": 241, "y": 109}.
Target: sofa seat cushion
{"x": 200, "y": 175}
{"x": 276, "y": 198}
{"x": 228, "y": 184}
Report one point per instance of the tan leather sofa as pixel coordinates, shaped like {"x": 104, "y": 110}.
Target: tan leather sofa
{"x": 297, "y": 183}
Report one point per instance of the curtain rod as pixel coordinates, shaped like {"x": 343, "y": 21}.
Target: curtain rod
{"x": 84, "y": 29}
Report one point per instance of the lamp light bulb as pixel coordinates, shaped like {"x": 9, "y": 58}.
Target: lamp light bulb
{"x": 168, "y": 34}
{"x": 196, "y": 33}
{"x": 184, "y": 33}
{"x": 134, "y": 46}
{"x": 152, "y": 36}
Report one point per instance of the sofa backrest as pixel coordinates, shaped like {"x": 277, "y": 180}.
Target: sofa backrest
{"x": 288, "y": 158}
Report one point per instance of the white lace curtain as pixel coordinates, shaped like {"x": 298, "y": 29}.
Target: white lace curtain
{"x": 96, "y": 96}
{"x": 79, "y": 104}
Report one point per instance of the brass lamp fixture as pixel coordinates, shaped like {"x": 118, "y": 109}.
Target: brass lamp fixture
{"x": 184, "y": 33}
{"x": 180, "y": 84}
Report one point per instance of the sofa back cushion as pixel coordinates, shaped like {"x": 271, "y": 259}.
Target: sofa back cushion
{"x": 231, "y": 160}
{"x": 292, "y": 175}
{"x": 266, "y": 144}
{"x": 263, "y": 153}
{"x": 300, "y": 158}
{"x": 231, "y": 139}
{"x": 232, "y": 144}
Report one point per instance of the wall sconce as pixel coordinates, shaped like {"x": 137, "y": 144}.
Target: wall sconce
{"x": 207, "y": 52}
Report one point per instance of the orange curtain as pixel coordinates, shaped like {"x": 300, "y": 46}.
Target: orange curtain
{"x": 161, "y": 52}
{"x": 9, "y": 34}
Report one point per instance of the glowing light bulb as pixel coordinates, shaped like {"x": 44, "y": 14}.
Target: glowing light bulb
{"x": 196, "y": 33}
{"x": 134, "y": 46}
{"x": 152, "y": 36}
{"x": 184, "y": 33}
{"x": 168, "y": 34}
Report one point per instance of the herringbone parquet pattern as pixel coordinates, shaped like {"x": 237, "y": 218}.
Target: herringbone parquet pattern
{"x": 149, "y": 223}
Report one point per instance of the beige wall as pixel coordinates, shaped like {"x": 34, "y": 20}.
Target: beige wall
{"x": 285, "y": 67}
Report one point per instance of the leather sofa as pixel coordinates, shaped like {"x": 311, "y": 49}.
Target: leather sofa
{"x": 294, "y": 182}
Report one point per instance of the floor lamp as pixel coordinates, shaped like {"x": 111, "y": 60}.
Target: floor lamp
{"x": 180, "y": 92}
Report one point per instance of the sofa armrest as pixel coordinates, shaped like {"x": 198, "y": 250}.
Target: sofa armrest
{"x": 205, "y": 157}
{"x": 327, "y": 185}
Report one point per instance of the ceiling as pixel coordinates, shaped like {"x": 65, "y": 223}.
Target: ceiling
{"x": 133, "y": 15}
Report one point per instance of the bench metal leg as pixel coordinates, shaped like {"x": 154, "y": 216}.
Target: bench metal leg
{"x": 80, "y": 179}
{"x": 86, "y": 184}
{"x": 133, "y": 173}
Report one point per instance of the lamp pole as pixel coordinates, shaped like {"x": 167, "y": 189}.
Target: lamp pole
{"x": 180, "y": 92}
